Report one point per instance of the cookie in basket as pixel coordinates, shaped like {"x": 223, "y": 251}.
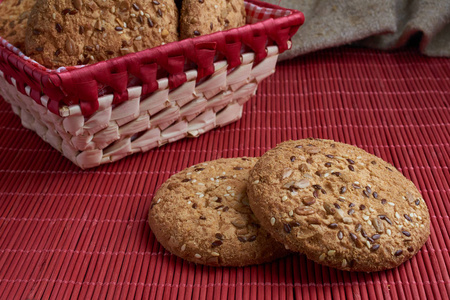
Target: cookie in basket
{"x": 339, "y": 205}
{"x": 200, "y": 17}
{"x": 202, "y": 215}
{"x": 74, "y": 32}
{"x": 13, "y": 20}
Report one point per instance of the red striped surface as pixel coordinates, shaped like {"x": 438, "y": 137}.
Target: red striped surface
{"x": 68, "y": 233}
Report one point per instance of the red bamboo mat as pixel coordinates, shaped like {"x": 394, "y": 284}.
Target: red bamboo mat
{"x": 68, "y": 233}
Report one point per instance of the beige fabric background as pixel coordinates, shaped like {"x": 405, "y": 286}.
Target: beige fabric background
{"x": 381, "y": 24}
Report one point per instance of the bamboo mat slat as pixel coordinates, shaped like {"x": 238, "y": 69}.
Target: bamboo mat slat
{"x": 72, "y": 234}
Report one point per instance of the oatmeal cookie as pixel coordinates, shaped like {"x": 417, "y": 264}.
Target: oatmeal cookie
{"x": 339, "y": 205}
{"x": 202, "y": 215}
{"x": 13, "y": 20}
{"x": 200, "y": 17}
{"x": 74, "y": 32}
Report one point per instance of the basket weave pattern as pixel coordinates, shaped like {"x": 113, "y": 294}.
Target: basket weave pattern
{"x": 104, "y": 112}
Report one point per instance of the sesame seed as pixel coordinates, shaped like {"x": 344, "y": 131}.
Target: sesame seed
{"x": 197, "y": 255}
{"x": 159, "y": 200}
{"x": 397, "y": 215}
{"x": 340, "y": 198}
{"x": 272, "y": 221}
{"x": 215, "y": 254}
{"x": 391, "y": 203}
{"x": 201, "y": 183}
{"x": 284, "y": 198}
{"x": 388, "y": 231}
{"x": 366, "y": 217}
{"x": 369, "y": 222}
{"x": 226, "y": 195}
{"x": 291, "y": 213}
{"x": 322, "y": 257}
{"x": 371, "y": 209}
{"x": 201, "y": 196}
{"x": 368, "y": 244}
{"x": 331, "y": 252}
{"x": 347, "y": 220}
{"x": 194, "y": 180}
{"x": 344, "y": 263}
{"x": 183, "y": 247}
{"x": 256, "y": 182}
{"x": 189, "y": 202}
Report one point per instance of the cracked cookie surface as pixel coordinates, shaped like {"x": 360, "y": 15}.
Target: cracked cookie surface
{"x": 339, "y": 205}
{"x": 202, "y": 214}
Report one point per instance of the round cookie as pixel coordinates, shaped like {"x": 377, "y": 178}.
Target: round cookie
{"x": 202, "y": 215}
{"x": 74, "y": 32}
{"x": 339, "y": 205}
{"x": 200, "y": 17}
{"x": 13, "y": 20}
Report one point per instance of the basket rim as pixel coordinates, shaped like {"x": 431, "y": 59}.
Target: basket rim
{"x": 53, "y": 84}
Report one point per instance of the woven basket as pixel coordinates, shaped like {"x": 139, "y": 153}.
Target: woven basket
{"x": 101, "y": 113}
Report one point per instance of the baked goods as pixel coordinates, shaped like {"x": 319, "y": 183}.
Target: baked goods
{"x": 13, "y": 20}
{"x": 202, "y": 215}
{"x": 200, "y": 17}
{"x": 73, "y": 32}
{"x": 339, "y": 205}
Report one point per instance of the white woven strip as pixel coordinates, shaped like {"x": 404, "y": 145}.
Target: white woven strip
{"x": 138, "y": 125}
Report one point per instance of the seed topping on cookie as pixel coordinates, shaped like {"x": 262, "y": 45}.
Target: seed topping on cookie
{"x": 349, "y": 203}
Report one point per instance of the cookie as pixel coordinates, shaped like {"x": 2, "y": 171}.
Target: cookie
{"x": 200, "y": 17}
{"x": 74, "y": 32}
{"x": 202, "y": 215}
{"x": 13, "y": 20}
{"x": 339, "y": 205}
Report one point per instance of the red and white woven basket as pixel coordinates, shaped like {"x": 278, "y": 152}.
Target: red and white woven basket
{"x": 101, "y": 113}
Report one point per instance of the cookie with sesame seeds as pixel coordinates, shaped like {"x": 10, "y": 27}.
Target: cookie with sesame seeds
{"x": 202, "y": 214}
{"x": 200, "y": 17}
{"x": 339, "y": 205}
{"x": 13, "y": 20}
{"x": 79, "y": 32}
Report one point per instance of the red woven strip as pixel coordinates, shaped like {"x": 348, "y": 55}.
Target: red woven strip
{"x": 67, "y": 233}
{"x": 82, "y": 85}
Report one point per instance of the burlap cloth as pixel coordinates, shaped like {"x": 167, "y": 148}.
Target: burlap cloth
{"x": 382, "y": 24}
